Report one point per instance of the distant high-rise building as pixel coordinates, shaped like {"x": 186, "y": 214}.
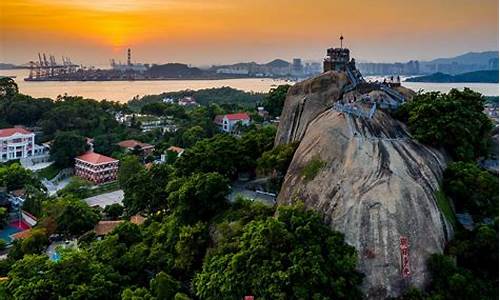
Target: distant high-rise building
{"x": 312, "y": 68}
{"x": 410, "y": 68}
{"x": 297, "y": 67}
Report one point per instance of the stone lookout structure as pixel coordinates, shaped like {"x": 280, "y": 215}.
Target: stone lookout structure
{"x": 358, "y": 90}
{"x": 337, "y": 59}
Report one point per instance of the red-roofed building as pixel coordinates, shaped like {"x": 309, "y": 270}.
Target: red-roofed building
{"x": 228, "y": 123}
{"x": 96, "y": 167}
{"x": 130, "y": 145}
{"x": 176, "y": 149}
{"x": 16, "y": 143}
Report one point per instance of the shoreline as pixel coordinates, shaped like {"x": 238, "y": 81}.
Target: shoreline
{"x": 160, "y": 79}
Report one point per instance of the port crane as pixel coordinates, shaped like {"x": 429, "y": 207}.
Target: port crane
{"x": 46, "y": 68}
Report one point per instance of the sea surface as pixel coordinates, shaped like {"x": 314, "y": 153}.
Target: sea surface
{"x": 123, "y": 91}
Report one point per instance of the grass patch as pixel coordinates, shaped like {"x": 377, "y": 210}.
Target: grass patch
{"x": 312, "y": 168}
{"x": 48, "y": 172}
{"x": 444, "y": 206}
{"x": 103, "y": 188}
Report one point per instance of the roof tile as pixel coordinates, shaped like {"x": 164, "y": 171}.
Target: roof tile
{"x": 95, "y": 158}
{"x": 6, "y": 132}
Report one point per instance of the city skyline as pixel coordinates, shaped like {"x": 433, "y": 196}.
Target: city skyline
{"x": 224, "y": 31}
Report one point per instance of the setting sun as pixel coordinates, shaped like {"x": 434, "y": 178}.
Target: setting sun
{"x": 231, "y": 30}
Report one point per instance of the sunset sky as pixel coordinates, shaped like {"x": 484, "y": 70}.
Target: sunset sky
{"x": 203, "y": 32}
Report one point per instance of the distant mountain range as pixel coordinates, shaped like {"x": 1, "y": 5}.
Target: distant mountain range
{"x": 477, "y": 76}
{"x": 277, "y": 63}
{"x": 468, "y": 62}
{"x": 4, "y": 66}
{"x": 470, "y": 58}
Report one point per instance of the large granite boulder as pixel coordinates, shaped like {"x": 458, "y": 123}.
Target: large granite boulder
{"x": 371, "y": 181}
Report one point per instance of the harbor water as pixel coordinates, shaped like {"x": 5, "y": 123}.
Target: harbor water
{"x": 123, "y": 91}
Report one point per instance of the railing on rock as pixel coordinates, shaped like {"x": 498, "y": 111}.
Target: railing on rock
{"x": 394, "y": 94}
{"x": 352, "y": 109}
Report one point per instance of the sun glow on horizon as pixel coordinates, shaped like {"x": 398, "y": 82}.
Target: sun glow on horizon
{"x": 247, "y": 29}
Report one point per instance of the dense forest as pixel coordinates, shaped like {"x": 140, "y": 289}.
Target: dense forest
{"x": 223, "y": 95}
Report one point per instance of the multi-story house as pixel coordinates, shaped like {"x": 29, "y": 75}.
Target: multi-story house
{"x": 228, "y": 123}
{"x": 16, "y": 143}
{"x": 96, "y": 167}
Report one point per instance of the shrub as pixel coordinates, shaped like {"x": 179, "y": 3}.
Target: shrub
{"x": 312, "y": 168}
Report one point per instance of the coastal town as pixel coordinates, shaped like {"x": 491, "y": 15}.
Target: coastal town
{"x": 65, "y": 185}
{"x": 98, "y": 172}
{"x": 249, "y": 150}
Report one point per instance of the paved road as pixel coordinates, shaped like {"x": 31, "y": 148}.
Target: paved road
{"x": 237, "y": 189}
{"x": 106, "y": 199}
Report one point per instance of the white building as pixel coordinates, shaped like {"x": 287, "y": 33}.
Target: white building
{"x": 17, "y": 143}
{"x": 187, "y": 101}
{"x": 168, "y": 100}
{"x": 228, "y": 123}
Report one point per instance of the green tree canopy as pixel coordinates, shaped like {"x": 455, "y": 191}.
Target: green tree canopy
{"x": 477, "y": 251}
{"x": 198, "y": 197}
{"x": 114, "y": 211}
{"x": 24, "y": 110}
{"x": 8, "y": 88}
{"x": 14, "y": 176}
{"x": 137, "y": 294}
{"x": 291, "y": 256}
{"x": 77, "y": 187}
{"x": 193, "y": 135}
{"x": 4, "y": 217}
{"x": 75, "y": 276}
{"x": 218, "y": 154}
{"x": 72, "y": 216}
{"x": 87, "y": 117}
{"x": 190, "y": 248}
{"x": 106, "y": 144}
{"x": 36, "y": 243}
{"x": 164, "y": 287}
{"x": 67, "y": 146}
{"x": 252, "y": 144}
{"x": 275, "y": 100}
{"x": 145, "y": 190}
{"x": 277, "y": 159}
{"x": 129, "y": 166}
{"x": 34, "y": 200}
{"x": 472, "y": 189}
{"x": 450, "y": 282}
{"x": 454, "y": 121}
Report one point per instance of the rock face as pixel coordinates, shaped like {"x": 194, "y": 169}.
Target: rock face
{"x": 375, "y": 184}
